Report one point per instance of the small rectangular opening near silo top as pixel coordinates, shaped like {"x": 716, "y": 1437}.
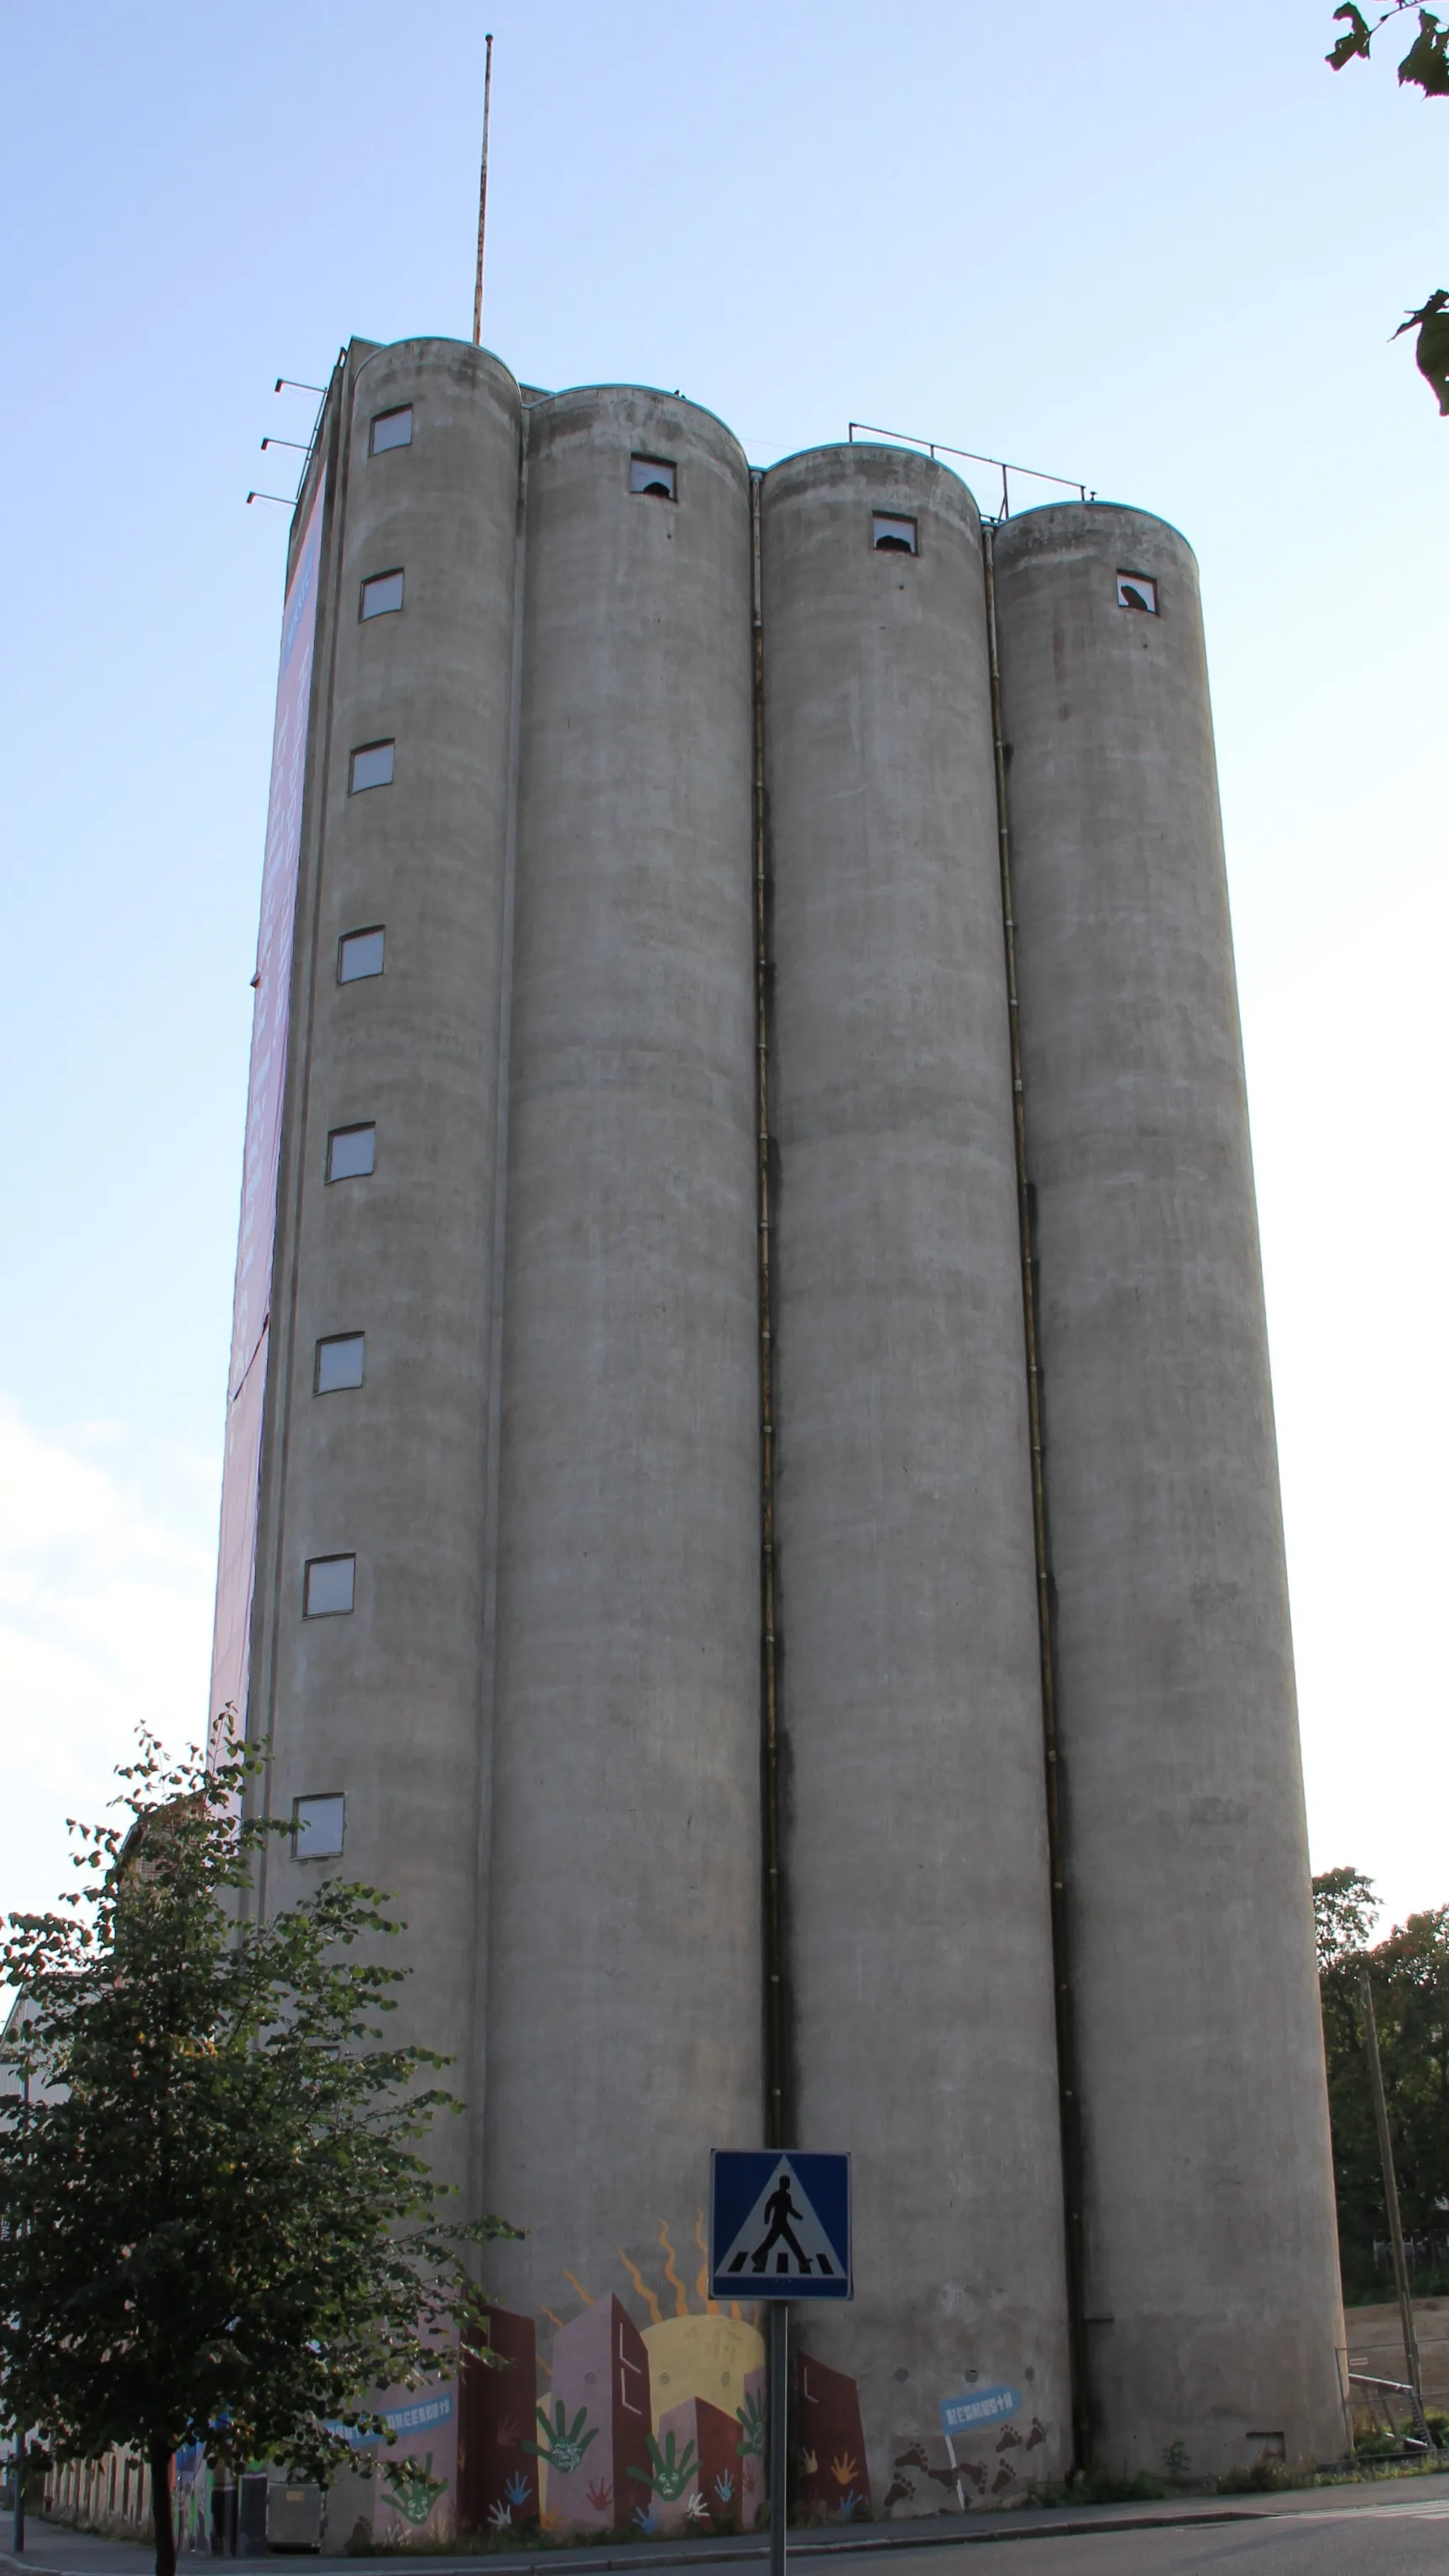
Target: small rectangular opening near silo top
{"x": 392, "y": 429}
{"x": 654, "y": 475}
{"x": 890, "y": 534}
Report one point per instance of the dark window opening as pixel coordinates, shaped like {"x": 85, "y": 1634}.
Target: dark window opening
{"x": 328, "y": 1587}
{"x": 381, "y": 594}
{"x": 318, "y": 1826}
{"x": 890, "y": 534}
{"x": 392, "y": 429}
{"x": 351, "y": 1152}
{"x": 371, "y": 766}
{"x": 359, "y": 954}
{"x": 1134, "y": 590}
{"x": 340, "y": 1362}
{"x": 654, "y": 475}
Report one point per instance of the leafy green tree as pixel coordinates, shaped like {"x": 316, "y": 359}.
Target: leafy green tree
{"x": 1409, "y": 1976}
{"x": 215, "y": 2222}
{"x": 1426, "y": 67}
{"x": 1345, "y": 1911}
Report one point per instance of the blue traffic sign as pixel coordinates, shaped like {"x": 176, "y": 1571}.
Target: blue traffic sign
{"x": 779, "y": 2225}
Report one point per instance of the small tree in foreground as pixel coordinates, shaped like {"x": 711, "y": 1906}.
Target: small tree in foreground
{"x": 215, "y": 2224}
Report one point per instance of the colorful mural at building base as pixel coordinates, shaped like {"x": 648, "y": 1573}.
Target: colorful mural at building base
{"x": 641, "y": 2414}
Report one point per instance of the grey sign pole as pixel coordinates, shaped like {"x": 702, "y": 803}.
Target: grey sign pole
{"x": 778, "y": 2464}
{"x": 779, "y": 2226}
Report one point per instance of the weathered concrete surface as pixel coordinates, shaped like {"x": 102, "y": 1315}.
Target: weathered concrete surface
{"x": 916, "y": 1872}
{"x": 624, "y": 2026}
{"x": 1212, "y": 2275}
{"x": 386, "y": 1704}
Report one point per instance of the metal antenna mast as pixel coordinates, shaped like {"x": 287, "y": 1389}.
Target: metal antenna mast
{"x": 482, "y": 195}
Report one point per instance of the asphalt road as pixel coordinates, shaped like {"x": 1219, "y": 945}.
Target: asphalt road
{"x": 1363, "y": 2534}
{"x": 1364, "y": 2540}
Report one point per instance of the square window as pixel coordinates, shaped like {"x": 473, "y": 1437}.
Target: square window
{"x": 392, "y": 429}
{"x": 654, "y": 475}
{"x": 351, "y": 1153}
{"x": 1134, "y": 590}
{"x": 382, "y": 592}
{"x": 371, "y": 767}
{"x": 359, "y": 954}
{"x": 892, "y": 535}
{"x": 339, "y": 1362}
{"x": 327, "y": 1586}
{"x": 317, "y": 1827}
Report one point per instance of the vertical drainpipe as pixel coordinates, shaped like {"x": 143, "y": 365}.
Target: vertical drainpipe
{"x": 1067, "y": 2094}
{"x": 776, "y": 2108}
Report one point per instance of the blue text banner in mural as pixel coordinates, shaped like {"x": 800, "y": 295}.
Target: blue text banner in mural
{"x": 977, "y": 2406}
{"x": 779, "y": 2225}
{"x": 423, "y": 2415}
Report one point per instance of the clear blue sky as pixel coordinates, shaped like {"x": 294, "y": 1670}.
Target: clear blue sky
{"x": 1159, "y": 248}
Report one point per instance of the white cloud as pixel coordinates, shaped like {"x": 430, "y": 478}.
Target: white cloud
{"x": 105, "y": 1620}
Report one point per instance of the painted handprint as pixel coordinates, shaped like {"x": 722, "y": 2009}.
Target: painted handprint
{"x": 564, "y": 2444}
{"x": 600, "y": 2495}
{"x": 668, "y": 2475}
{"x": 724, "y": 2487}
{"x": 843, "y": 2469}
{"x": 518, "y": 2490}
{"x": 751, "y": 2420}
{"x": 412, "y": 2488}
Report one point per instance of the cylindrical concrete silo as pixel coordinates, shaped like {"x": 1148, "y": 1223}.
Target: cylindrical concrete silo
{"x": 1212, "y": 2295}
{"x": 623, "y": 2030}
{"x": 386, "y": 1275}
{"x": 915, "y": 1849}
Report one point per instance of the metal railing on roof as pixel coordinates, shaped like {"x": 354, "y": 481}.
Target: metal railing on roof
{"x": 939, "y": 447}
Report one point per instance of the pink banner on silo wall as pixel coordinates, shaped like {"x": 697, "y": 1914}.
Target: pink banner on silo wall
{"x": 251, "y": 1301}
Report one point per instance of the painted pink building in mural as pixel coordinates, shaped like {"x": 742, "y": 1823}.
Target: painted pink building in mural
{"x": 750, "y": 1504}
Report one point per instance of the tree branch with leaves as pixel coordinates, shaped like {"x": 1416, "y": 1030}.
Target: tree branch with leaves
{"x": 216, "y": 2221}
{"x": 1425, "y": 67}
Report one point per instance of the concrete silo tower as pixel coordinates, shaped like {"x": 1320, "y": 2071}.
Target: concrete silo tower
{"x": 631, "y": 1553}
{"x": 1210, "y": 2279}
{"x": 909, "y": 1680}
{"x": 623, "y": 2025}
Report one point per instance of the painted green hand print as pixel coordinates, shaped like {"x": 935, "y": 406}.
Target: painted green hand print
{"x": 751, "y": 2420}
{"x": 564, "y": 2444}
{"x": 412, "y": 2490}
{"x": 669, "y": 2475}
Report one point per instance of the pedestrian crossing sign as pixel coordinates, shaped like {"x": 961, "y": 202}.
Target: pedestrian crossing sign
{"x": 779, "y": 2225}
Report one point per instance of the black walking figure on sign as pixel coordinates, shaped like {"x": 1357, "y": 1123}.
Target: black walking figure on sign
{"x": 780, "y": 2209}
